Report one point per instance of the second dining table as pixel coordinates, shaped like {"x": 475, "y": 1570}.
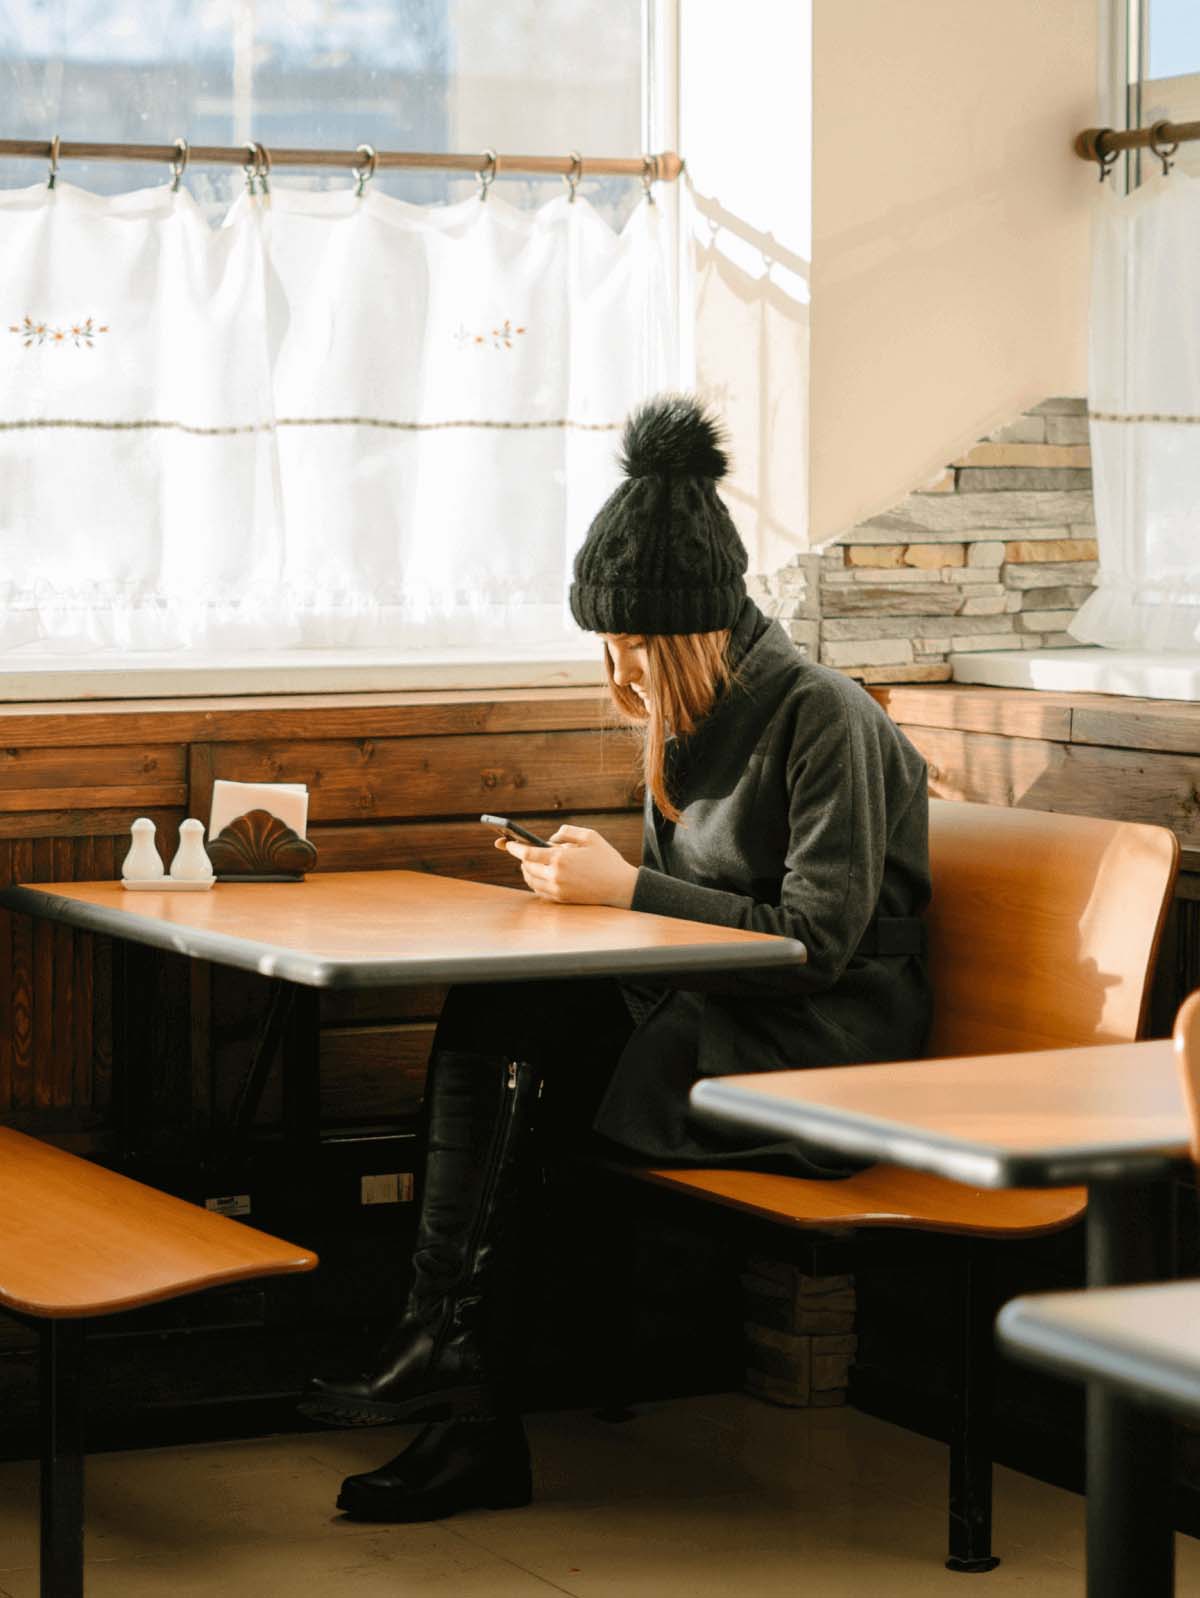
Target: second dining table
{"x": 1111, "y": 1116}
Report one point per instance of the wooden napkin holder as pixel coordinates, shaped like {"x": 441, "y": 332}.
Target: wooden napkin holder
{"x": 258, "y": 847}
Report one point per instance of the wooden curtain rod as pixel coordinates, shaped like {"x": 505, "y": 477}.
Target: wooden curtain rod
{"x": 1103, "y": 145}
{"x": 664, "y": 167}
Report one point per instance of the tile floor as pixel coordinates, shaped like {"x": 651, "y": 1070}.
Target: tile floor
{"x": 698, "y": 1498}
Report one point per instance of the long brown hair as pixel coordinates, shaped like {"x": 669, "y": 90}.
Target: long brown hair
{"x": 687, "y": 673}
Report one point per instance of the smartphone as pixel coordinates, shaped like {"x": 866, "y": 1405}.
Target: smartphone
{"x": 514, "y": 830}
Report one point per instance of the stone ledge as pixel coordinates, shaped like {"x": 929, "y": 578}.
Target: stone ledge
{"x": 1043, "y": 455}
{"x": 938, "y": 517}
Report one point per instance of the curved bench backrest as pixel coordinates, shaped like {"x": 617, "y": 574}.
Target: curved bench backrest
{"x": 1043, "y": 927}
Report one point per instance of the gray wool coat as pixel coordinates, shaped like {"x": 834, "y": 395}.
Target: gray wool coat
{"x": 804, "y": 812}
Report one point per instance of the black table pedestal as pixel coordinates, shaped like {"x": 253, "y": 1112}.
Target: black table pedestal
{"x": 1130, "y": 1449}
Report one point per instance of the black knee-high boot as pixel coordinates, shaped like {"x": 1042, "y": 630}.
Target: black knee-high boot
{"x": 443, "y": 1358}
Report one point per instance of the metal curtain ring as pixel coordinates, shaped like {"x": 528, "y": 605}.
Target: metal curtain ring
{"x": 1157, "y": 134}
{"x": 574, "y": 176}
{"x": 366, "y": 171}
{"x": 179, "y": 164}
{"x": 487, "y": 174}
{"x": 263, "y": 166}
{"x": 1107, "y": 162}
{"x": 649, "y": 173}
{"x": 52, "y": 175}
{"x": 250, "y": 168}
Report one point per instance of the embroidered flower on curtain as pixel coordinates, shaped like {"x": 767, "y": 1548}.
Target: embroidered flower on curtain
{"x": 82, "y": 334}
{"x": 500, "y": 338}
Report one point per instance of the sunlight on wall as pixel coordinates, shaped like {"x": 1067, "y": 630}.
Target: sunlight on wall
{"x": 746, "y": 130}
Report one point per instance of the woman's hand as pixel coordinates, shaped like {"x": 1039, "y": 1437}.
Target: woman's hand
{"x": 580, "y": 867}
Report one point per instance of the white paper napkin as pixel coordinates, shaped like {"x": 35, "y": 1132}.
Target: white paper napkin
{"x": 287, "y": 800}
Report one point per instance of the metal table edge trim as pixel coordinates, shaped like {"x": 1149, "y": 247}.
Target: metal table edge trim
{"x": 291, "y": 965}
{"x": 973, "y": 1164}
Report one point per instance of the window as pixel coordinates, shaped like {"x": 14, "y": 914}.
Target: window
{"x": 537, "y": 76}
{"x": 421, "y": 74}
{"x": 1157, "y": 56}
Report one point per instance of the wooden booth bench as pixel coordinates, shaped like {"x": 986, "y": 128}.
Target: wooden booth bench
{"x": 78, "y": 1242}
{"x": 1043, "y": 933}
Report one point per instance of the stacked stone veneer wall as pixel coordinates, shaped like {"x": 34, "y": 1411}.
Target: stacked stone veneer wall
{"x": 999, "y": 552}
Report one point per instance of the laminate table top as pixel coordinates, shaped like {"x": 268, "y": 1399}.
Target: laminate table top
{"x": 1141, "y": 1340}
{"x": 367, "y": 929}
{"x": 1043, "y": 1119}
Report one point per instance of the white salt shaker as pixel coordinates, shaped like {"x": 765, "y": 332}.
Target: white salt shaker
{"x": 142, "y": 863}
{"x": 191, "y": 862}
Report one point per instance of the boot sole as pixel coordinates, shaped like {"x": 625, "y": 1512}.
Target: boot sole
{"x": 337, "y": 1410}
{"x": 432, "y": 1506}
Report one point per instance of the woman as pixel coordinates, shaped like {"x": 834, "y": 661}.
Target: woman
{"x": 779, "y": 797}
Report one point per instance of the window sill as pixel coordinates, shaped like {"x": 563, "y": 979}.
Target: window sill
{"x": 1087, "y": 669}
{"x": 300, "y": 672}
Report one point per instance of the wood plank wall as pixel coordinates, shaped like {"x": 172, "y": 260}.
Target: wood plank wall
{"x": 1084, "y": 754}
{"x": 396, "y": 780}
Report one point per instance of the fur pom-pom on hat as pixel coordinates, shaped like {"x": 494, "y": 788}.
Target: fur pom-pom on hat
{"x": 673, "y": 435}
{"x": 662, "y": 554}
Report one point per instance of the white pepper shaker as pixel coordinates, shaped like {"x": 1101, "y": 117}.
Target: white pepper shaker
{"x": 143, "y": 862}
{"x": 191, "y": 862}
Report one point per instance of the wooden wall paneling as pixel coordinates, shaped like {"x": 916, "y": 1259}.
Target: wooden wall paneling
{"x": 56, "y": 984}
{"x": 104, "y": 866}
{"x": 86, "y": 823}
{"x": 168, "y": 1065}
{"x": 84, "y": 987}
{"x": 6, "y": 987}
{"x": 1075, "y": 778}
{"x": 22, "y": 984}
{"x": 200, "y": 781}
{"x": 43, "y": 985}
{"x": 166, "y": 793}
{"x": 368, "y": 779}
{"x": 1168, "y": 726}
{"x": 237, "y": 1006}
{"x": 95, "y": 766}
{"x": 374, "y": 1073}
{"x": 458, "y": 848}
{"x": 233, "y": 719}
{"x": 200, "y": 1098}
{"x": 1006, "y": 712}
{"x": 346, "y": 1007}
{"x": 62, "y": 993}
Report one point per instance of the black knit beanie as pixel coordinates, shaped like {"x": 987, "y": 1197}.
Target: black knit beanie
{"x": 663, "y": 555}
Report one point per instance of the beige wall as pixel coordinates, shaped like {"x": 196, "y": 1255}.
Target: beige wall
{"x": 745, "y": 130}
{"x": 950, "y": 233}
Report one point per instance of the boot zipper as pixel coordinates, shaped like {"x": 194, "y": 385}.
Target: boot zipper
{"x": 500, "y": 1143}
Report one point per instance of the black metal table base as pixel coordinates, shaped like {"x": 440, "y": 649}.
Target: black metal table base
{"x": 1130, "y": 1449}
{"x": 970, "y": 1529}
{"x": 62, "y": 1458}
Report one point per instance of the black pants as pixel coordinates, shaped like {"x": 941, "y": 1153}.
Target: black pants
{"x": 543, "y": 1298}
{"x": 572, "y": 1031}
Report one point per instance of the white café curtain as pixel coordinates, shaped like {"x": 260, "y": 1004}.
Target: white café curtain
{"x": 331, "y": 422}
{"x": 1144, "y": 400}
